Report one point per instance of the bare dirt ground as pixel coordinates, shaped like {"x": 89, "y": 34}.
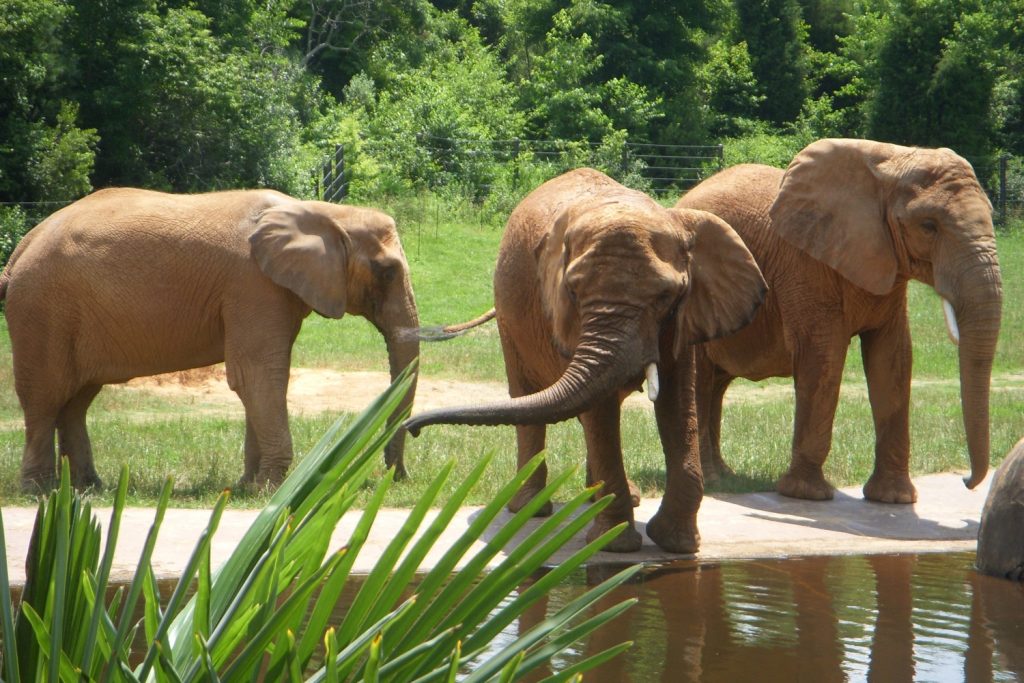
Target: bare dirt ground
{"x": 314, "y": 390}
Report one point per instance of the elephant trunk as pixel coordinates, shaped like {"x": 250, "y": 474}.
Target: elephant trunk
{"x": 606, "y": 358}
{"x": 399, "y": 324}
{"x": 978, "y": 313}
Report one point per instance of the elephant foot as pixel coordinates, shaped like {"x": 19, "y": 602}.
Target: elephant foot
{"x": 629, "y": 541}
{"x": 39, "y": 481}
{"x": 89, "y": 481}
{"x": 890, "y": 488}
{"x": 674, "y": 533}
{"x": 715, "y": 470}
{"x": 524, "y": 496}
{"x": 809, "y": 484}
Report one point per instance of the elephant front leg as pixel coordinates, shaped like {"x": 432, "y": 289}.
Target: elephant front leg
{"x": 263, "y": 390}
{"x": 530, "y": 442}
{"x": 604, "y": 459}
{"x": 674, "y": 526}
{"x": 887, "y": 362}
{"x": 817, "y": 375}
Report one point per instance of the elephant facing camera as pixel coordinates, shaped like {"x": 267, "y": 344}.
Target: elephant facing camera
{"x": 598, "y": 288}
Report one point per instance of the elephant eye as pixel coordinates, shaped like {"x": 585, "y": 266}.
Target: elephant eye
{"x": 384, "y": 271}
{"x": 930, "y": 225}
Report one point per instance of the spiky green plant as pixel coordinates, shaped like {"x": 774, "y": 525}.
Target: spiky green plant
{"x": 265, "y": 614}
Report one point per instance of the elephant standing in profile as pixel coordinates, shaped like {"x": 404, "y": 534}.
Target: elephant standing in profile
{"x": 838, "y": 235}
{"x": 125, "y": 283}
{"x": 597, "y": 286}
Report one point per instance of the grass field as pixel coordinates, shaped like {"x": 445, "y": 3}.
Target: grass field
{"x": 452, "y": 254}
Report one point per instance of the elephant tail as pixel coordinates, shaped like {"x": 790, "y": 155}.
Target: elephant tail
{"x": 443, "y": 333}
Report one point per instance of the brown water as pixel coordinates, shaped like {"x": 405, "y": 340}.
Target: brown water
{"x": 818, "y": 619}
{"x": 886, "y": 618}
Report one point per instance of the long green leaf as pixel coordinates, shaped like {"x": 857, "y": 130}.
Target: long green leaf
{"x": 103, "y": 575}
{"x": 575, "y": 671}
{"x": 135, "y": 588}
{"x": 58, "y": 605}
{"x": 11, "y": 665}
{"x": 329, "y": 456}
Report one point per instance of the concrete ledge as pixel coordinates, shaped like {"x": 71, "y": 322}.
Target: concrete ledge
{"x": 732, "y": 526}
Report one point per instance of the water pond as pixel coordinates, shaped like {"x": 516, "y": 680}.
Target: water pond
{"x": 926, "y": 617}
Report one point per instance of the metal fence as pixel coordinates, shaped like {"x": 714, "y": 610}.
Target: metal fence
{"x": 659, "y": 169}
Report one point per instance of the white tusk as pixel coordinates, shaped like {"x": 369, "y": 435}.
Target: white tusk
{"x": 652, "y": 382}
{"x": 951, "y": 327}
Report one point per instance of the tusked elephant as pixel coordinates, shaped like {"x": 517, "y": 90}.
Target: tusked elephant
{"x": 838, "y": 235}
{"x": 596, "y": 287}
{"x": 127, "y": 282}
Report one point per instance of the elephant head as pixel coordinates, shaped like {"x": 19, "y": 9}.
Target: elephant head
{"x": 881, "y": 214}
{"x": 614, "y": 275}
{"x": 344, "y": 259}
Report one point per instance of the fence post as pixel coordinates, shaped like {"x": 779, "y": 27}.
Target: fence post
{"x": 721, "y": 156}
{"x": 625, "y": 160}
{"x": 515, "y": 164}
{"x": 1003, "y": 162}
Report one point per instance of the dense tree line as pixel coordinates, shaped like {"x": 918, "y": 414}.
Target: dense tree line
{"x": 202, "y": 94}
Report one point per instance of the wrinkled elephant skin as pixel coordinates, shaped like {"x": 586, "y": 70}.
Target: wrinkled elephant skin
{"x": 838, "y": 235}
{"x": 596, "y": 288}
{"x": 125, "y": 283}
{"x": 1001, "y": 535}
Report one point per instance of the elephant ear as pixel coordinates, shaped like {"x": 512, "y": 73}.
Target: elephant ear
{"x": 552, "y": 256}
{"x": 832, "y": 205}
{"x": 726, "y": 286}
{"x": 305, "y": 251}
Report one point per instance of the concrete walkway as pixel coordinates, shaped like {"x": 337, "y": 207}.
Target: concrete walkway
{"x": 732, "y": 526}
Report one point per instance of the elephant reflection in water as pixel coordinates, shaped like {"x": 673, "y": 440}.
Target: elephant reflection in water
{"x": 705, "y": 626}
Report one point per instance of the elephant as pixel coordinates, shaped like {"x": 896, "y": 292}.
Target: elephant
{"x": 1001, "y": 534}
{"x": 128, "y": 282}
{"x": 596, "y": 287}
{"x": 838, "y": 235}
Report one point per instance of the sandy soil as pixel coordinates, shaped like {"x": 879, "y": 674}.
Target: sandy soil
{"x": 313, "y": 390}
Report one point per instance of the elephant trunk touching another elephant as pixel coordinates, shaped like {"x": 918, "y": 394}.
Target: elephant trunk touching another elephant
{"x": 599, "y": 366}
{"x": 597, "y": 287}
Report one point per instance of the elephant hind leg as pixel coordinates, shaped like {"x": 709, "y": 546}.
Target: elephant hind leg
{"x": 712, "y": 383}
{"x": 73, "y": 438}
{"x": 39, "y": 462}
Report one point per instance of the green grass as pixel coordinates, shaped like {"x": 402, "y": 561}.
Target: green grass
{"x": 452, "y": 265}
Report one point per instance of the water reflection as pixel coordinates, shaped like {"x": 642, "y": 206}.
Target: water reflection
{"x": 878, "y": 618}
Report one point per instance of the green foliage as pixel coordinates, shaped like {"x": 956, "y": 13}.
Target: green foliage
{"x": 268, "y": 610}
{"x": 13, "y": 226}
{"x": 772, "y": 31}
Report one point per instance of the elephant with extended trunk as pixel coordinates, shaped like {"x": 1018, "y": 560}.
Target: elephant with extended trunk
{"x": 838, "y": 235}
{"x": 126, "y": 282}
{"x": 597, "y": 287}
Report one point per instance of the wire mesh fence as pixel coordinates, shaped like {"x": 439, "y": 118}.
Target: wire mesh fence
{"x": 482, "y": 167}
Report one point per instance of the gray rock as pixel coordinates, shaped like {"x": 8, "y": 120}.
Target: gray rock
{"x": 1001, "y": 534}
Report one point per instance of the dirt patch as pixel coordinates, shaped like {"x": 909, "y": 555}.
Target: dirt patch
{"x": 315, "y": 390}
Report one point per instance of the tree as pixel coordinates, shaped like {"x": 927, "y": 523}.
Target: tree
{"x": 44, "y": 155}
{"x": 933, "y": 76}
{"x": 772, "y": 31}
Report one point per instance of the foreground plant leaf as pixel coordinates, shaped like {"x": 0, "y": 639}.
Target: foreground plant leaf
{"x": 269, "y": 610}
